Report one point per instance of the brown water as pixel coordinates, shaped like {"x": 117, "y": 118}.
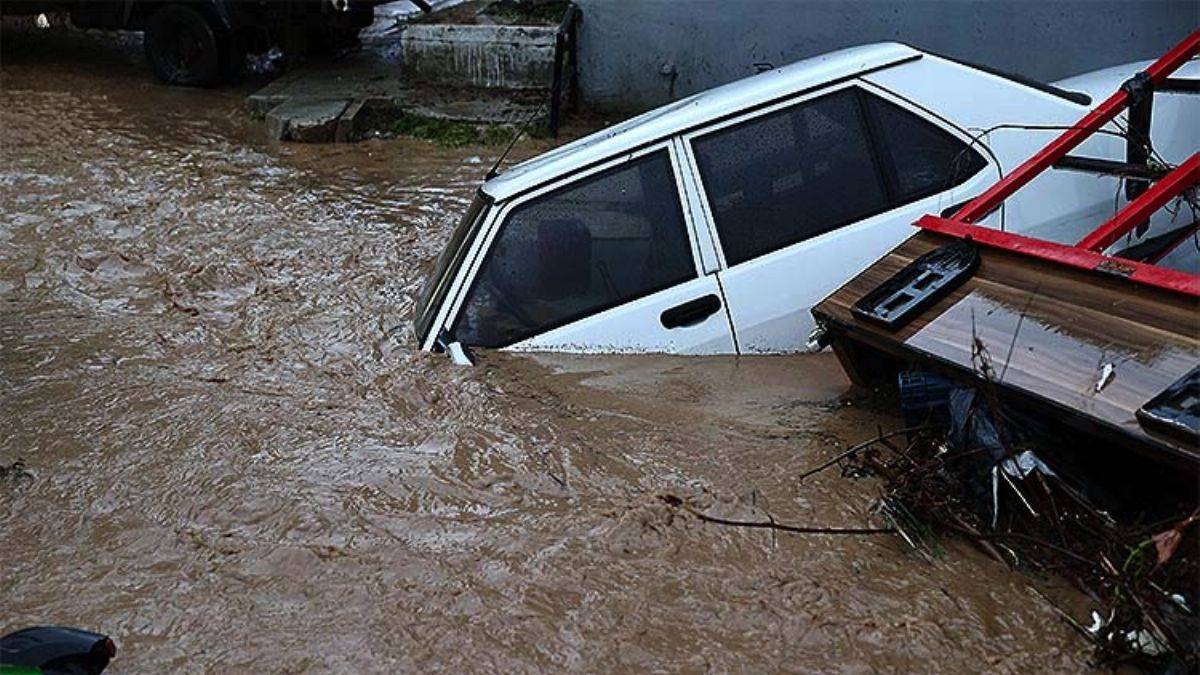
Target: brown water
{"x": 240, "y": 464}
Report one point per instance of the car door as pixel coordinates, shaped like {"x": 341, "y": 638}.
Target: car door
{"x": 602, "y": 261}
{"x": 803, "y": 195}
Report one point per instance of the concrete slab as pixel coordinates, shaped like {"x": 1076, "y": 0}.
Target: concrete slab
{"x": 367, "y": 90}
{"x": 306, "y": 121}
{"x": 355, "y": 76}
{"x": 347, "y": 99}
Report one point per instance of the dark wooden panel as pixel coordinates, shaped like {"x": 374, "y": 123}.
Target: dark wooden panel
{"x": 1056, "y": 329}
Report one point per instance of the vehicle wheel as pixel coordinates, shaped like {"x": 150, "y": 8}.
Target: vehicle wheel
{"x": 233, "y": 60}
{"x": 184, "y": 47}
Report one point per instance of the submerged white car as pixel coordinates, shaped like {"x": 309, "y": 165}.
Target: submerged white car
{"x": 712, "y": 225}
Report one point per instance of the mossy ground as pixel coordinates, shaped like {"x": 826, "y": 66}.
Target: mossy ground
{"x": 451, "y": 134}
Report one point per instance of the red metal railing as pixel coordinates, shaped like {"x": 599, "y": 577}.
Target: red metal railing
{"x": 1139, "y": 210}
{"x": 1087, "y": 253}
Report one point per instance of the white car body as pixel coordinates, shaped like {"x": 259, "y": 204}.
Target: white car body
{"x": 760, "y": 302}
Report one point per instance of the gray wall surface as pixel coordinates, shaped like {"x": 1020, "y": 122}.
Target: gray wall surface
{"x": 638, "y": 54}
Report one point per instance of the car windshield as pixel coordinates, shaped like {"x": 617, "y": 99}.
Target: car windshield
{"x": 438, "y": 283}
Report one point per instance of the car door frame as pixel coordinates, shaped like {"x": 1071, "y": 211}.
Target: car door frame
{"x": 955, "y": 194}
{"x": 494, "y": 222}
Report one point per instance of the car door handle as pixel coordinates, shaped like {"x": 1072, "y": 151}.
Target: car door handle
{"x": 691, "y": 313}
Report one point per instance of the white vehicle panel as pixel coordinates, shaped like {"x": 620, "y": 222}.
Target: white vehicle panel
{"x": 636, "y": 327}
{"x": 764, "y": 302}
{"x": 1058, "y": 205}
{"x": 632, "y": 326}
{"x": 770, "y": 297}
{"x": 698, "y": 221}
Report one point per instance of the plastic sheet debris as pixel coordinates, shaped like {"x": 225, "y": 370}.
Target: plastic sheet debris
{"x": 1017, "y": 468}
{"x": 1123, "y": 534}
{"x": 1141, "y": 641}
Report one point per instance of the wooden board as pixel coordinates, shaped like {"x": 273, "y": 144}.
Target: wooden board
{"x": 1048, "y": 332}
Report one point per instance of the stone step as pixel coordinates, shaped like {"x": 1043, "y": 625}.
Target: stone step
{"x": 306, "y": 120}
{"x": 361, "y": 93}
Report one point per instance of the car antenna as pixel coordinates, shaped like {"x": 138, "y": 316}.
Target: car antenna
{"x": 494, "y": 170}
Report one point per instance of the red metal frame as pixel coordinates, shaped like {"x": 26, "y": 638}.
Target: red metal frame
{"x": 1087, "y": 253}
{"x": 1065, "y": 254}
{"x": 1139, "y": 210}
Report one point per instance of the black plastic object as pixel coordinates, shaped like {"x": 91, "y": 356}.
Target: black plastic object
{"x": 924, "y": 396}
{"x": 1176, "y": 410}
{"x": 57, "y": 650}
{"x": 1108, "y": 167}
{"x": 691, "y": 313}
{"x": 1140, "y": 89}
{"x": 1180, "y": 85}
{"x": 920, "y": 284}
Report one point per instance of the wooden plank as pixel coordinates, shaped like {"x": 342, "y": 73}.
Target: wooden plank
{"x": 1068, "y": 324}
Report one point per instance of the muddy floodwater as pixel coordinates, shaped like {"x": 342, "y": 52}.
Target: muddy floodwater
{"x": 236, "y": 462}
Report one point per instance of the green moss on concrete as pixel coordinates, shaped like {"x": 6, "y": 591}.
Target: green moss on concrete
{"x": 543, "y": 13}
{"x": 498, "y": 134}
{"x": 450, "y": 134}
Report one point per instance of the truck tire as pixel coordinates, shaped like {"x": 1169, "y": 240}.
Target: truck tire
{"x": 187, "y": 48}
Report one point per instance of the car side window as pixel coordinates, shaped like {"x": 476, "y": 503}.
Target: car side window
{"x": 923, "y": 158}
{"x": 789, "y": 175}
{"x": 587, "y": 247}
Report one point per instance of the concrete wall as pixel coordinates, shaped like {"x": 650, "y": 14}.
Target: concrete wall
{"x": 491, "y": 57}
{"x": 637, "y": 54}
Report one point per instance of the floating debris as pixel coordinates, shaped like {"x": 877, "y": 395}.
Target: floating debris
{"x": 1038, "y": 518}
{"x": 1106, "y": 376}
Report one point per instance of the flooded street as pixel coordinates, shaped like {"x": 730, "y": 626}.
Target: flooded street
{"x": 240, "y": 464}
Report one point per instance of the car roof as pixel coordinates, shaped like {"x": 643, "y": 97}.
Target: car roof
{"x": 695, "y": 110}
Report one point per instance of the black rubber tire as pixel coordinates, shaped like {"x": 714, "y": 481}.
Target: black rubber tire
{"x": 233, "y": 61}
{"x": 185, "y": 47}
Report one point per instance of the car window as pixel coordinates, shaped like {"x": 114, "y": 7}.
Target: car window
{"x": 923, "y": 158}
{"x": 790, "y": 175}
{"x": 447, "y": 264}
{"x": 595, "y": 244}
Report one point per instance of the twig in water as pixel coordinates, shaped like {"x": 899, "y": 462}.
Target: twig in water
{"x": 1066, "y": 617}
{"x": 986, "y": 545}
{"x": 855, "y": 448}
{"x": 676, "y": 502}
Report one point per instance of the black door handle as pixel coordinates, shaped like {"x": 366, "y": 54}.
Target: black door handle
{"x": 691, "y": 312}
